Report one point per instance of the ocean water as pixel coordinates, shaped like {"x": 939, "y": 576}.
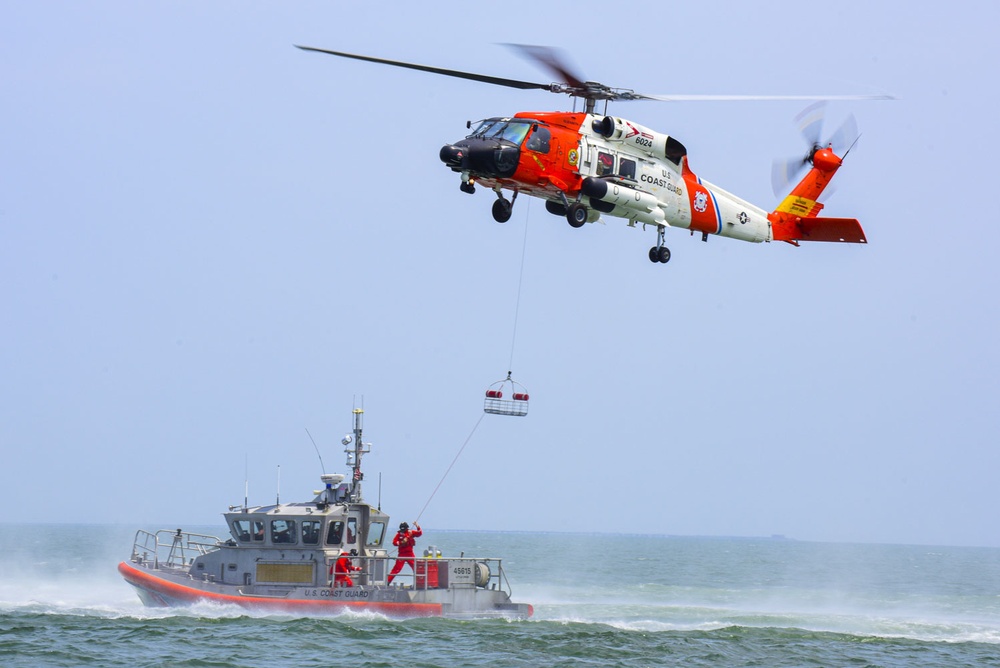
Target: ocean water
{"x": 600, "y": 600}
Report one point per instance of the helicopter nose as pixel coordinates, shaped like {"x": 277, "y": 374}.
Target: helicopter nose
{"x": 452, "y": 155}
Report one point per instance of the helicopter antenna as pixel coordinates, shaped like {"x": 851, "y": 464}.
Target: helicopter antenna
{"x": 853, "y": 144}
{"x": 321, "y": 464}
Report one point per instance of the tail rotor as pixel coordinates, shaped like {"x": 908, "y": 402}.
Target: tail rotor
{"x": 810, "y": 122}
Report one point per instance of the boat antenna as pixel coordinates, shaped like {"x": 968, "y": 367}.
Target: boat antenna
{"x": 321, "y": 464}
{"x": 380, "y": 490}
{"x": 246, "y": 481}
{"x": 277, "y": 498}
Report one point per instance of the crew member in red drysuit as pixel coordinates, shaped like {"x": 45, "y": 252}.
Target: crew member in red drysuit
{"x": 405, "y": 540}
{"x": 341, "y": 569}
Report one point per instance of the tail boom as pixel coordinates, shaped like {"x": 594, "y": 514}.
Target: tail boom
{"x": 797, "y": 217}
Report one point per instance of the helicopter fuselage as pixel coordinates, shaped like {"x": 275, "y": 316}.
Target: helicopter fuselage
{"x": 585, "y": 165}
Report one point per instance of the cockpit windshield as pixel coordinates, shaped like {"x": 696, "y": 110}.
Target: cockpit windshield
{"x": 511, "y": 130}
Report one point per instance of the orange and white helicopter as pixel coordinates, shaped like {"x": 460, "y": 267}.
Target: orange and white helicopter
{"x": 584, "y": 165}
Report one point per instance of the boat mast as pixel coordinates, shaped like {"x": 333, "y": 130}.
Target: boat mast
{"x": 354, "y": 455}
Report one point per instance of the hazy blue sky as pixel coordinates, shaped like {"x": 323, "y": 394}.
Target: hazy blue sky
{"x": 211, "y": 241}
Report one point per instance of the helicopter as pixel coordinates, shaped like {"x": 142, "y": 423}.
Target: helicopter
{"x": 585, "y": 165}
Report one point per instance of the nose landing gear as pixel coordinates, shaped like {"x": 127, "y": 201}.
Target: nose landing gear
{"x": 503, "y": 208}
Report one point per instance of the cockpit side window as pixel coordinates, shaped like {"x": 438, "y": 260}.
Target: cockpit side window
{"x": 282, "y": 531}
{"x": 258, "y": 530}
{"x": 375, "y": 532}
{"x": 335, "y": 533}
{"x": 352, "y": 530}
{"x": 626, "y": 168}
{"x": 310, "y": 532}
{"x": 539, "y": 141}
{"x": 241, "y": 530}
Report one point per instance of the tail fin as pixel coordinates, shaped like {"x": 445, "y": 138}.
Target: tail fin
{"x": 796, "y": 219}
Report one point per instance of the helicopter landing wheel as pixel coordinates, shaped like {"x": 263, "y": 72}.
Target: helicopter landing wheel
{"x": 654, "y": 254}
{"x": 663, "y": 254}
{"x": 576, "y": 215}
{"x": 467, "y": 187}
{"x": 502, "y": 210}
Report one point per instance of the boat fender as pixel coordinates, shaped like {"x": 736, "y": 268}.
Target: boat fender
{"x": 482, "y": 574}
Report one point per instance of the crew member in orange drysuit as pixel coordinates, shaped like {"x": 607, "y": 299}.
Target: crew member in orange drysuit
{"x": 341, "y": 569}
{"x": 405, "y": 540}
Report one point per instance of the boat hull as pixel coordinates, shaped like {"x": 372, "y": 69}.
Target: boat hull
{"x": 157, "y": 587}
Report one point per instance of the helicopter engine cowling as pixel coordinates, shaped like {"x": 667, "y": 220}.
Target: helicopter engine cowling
{"x": 621, "y": 200}
{"x": 654, "y": 143}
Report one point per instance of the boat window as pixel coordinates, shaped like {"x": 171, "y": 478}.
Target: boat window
{"x": 241, "y": 530}
{"x": 539, "y": 141}
{"x": 335, "y": 533}
{"x": 375, "y": 533}
{"x": 605, "y": 164}
{"x": 258, "y": 530}
{"x": 310, "y": 532}
{"x": 352, "y": 530}
{"x": 282, "y": 531}
{"x": 626, "y": 168}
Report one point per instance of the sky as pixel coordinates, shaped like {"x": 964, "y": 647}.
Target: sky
{"x": 212, "y": 242}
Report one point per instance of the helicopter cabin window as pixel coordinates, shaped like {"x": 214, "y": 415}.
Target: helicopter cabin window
{"x": 605, "y": 164}
{"x": 258, "y": 530}
{"x": 539, "y": 140}
{"x": 335, "y": 533}
{"x": 375, "y": 533}
{"x": 626, "y": 168}
{"x": 241, "y": 530}
{"x": 282, "y": 531}
{"x": 310, "y": 532}
{"x": 352, "y": 530}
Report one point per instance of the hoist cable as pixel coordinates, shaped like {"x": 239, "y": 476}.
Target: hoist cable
{"x": 469, "y": 438}
{"x": 520, "y": 278}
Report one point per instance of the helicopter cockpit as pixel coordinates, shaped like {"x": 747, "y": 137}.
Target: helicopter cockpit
{"x": 493, "y": 148}
{"x": 512, "y": 130}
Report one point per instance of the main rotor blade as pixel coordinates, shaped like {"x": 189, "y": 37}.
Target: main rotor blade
{"x": 779, "y": 98}
{"x": 550, "y": 59}
{"x": 498, "y": 81}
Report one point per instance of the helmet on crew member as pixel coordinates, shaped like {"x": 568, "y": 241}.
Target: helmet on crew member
{"x": 403, "y": 526}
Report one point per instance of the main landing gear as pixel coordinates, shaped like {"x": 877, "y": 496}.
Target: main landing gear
{"x": 659, "y": 252}
{"x": 576, "y": 214}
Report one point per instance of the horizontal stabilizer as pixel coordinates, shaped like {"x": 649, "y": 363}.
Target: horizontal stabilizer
{"x": 844, "y": 230}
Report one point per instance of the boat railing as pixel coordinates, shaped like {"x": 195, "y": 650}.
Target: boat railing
{"x": 435, "y": 573}
{"x": 173, "y": 549}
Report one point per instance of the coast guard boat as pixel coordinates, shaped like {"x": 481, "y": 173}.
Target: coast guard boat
{"x": 281, "y": 557}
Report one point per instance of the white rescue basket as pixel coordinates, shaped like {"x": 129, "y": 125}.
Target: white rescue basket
{"x": 497, "y": 404}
